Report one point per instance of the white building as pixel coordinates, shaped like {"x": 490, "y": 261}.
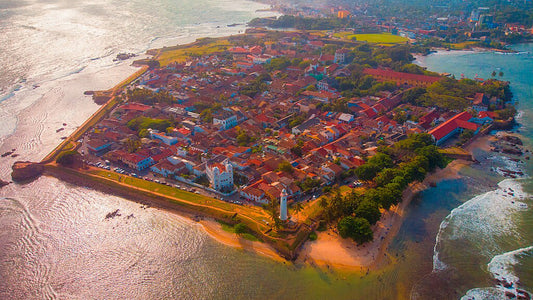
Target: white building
{"x": 220, "y": 175}
{"x": 283, "y": 206}
{"x": 254, "y": 194}
{"x": 156, "y": 135}
{"x": 226, "y": 119}
{"x": 340, "y": 56}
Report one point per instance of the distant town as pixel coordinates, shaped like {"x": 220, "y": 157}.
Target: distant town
{"x": 450, "y": 25}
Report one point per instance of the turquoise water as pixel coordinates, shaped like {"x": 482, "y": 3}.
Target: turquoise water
{"x": 490, "y": 235}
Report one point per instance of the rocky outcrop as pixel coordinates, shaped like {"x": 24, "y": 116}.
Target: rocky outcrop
{"x": 3, "y": 183}
{"x": 24, "y": 171}
{"x": 504, "y": 125}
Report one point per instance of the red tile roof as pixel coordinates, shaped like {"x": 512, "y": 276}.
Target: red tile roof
{"x": 459, "y": 120}
{"x": 400, "y": 75}
{"x": 135, "y": 107}
{"x": 484, "y": 114}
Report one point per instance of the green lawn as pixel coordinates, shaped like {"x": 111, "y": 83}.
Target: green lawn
{"x": 253, "y": 212}
{"x": 376, "y": 38}
{"x": 165, "y": 190}
{"x": 231, "y": 229}
{"x": 183, "y": 53}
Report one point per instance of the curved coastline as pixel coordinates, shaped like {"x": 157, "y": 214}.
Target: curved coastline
{"x": 328, "y": 250}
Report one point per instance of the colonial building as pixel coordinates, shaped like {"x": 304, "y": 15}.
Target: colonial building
{"x": 226, "y": 120}
{"x": 220, "y": 175}
{"x": 340, "y": 56}
{"x": 401, "y": 78}
{"x": 453, "y": 126}
{"x": 156, "y": 135}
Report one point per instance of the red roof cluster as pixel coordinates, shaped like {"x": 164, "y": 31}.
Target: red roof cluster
{"x": 135, "y": 107}
{"x": 457, "y": 121}
{"x": 393, "y": 75}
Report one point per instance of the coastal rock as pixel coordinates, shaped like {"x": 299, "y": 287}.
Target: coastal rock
{"x": 512, "y": 151}
{"x": 523, "y": 294}
{"x": 24, "y": 171}
{"x": 509, "y": 295}
{"x": 3, "y": 183}
{"x": 504, "y": 125}
{"x": 513, "y": 140}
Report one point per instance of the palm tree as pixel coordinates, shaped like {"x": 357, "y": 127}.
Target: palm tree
{"x": 298, "y": 207}
{"x": 323, "y": 202}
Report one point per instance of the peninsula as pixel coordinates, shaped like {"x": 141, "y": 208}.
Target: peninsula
{"x": 278, "y": 135}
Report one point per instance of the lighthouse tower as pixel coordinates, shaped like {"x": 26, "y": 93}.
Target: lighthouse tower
{"x": 283, "y": 206}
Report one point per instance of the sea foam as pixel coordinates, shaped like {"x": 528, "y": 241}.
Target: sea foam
{"x": 484, "y": 217}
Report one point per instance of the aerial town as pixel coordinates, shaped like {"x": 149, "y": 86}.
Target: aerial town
{"x": 256, "y": 121}
{"x": 302, "y": 149}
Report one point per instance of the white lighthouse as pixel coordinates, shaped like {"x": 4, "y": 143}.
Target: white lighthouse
{"x": 283, "y": 206}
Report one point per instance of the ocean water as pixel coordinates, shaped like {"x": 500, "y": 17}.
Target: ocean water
{"x": 489, "y": 237}
{"x": 55, "y": 242}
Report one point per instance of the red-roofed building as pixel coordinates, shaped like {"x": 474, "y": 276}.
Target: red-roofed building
{"x": 453, "y": 126}
{"x": 426, "y": 120}
{"x": 136, "y": 161}
{"x": 134, "y": 107}
{"x": 220, "y": 175}
{"x": 401, "y": 78}
{"x": 316, "y": 44}
{"x": 252, "y": 193}
{"x": 480, "y": 102}
{"x": 371, "y": 112}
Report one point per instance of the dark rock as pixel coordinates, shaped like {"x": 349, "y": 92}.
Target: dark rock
{"x": 523, "y": 294}
{"x": 513, "y": 140}
{"x": 512, "y": 151}
{"x": 509, "y": 295}
{"x": 111, "y": 215}
{"x": 24, "y": 171}
{"x": 3, "y": 183}
{"x": 7, "y": 153}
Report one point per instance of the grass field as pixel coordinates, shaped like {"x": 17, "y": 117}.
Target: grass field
{"x": 462, "y": 46}
{"x": 182, "y": 53}
{"x": 454, "y": 150}
{"x": 231, "y": 229}
{"x": 257, "y": 214}
{"x": 375, "y": 38}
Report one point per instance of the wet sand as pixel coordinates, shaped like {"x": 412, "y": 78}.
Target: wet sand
{"x": 215, "y": 231}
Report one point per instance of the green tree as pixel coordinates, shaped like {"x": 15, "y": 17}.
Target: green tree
{"x": 67, "y": 158}
{"x": 368, "y": 210}
{"x": 143, "y": 133}
{"x": 285, "y": 166}
{"x": 356, "y": 228}
{"x": 132, "y": 145}
{"x": 240, "y": 228}
{"x": 366, "y": 172}
{"x": 297, "y": 150}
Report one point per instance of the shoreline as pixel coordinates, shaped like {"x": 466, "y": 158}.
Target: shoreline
{"x": 328, "y": 250}
{"x": 333, "y": 252}
{"x": 214, "y": 230}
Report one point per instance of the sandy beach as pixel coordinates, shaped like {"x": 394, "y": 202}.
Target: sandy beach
{"x": 332, "y": 251}
{"x": 214, "y": 230}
